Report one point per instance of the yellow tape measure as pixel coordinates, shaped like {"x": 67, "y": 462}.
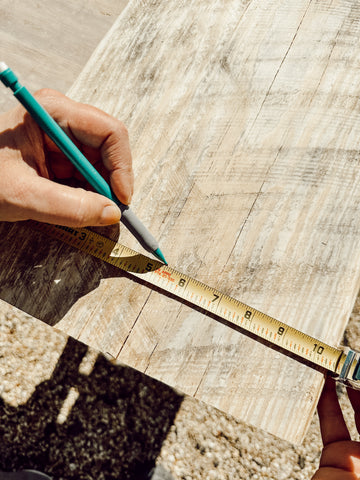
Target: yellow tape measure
{"x": 344, "y": 364}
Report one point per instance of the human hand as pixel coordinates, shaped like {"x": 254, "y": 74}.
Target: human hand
{"x": 340, "y": 458}
{"x": 31, "y": 165}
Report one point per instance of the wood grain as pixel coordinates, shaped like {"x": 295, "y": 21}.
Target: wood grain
{"x": 48, "y": 42}
{"x": 244, "y": 125}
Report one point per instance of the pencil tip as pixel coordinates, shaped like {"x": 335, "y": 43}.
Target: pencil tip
{"x": 160, "y": 255}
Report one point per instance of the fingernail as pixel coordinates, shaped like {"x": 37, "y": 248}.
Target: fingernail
{"x": 127, "y": 199}
{"x": 111, "y": 214}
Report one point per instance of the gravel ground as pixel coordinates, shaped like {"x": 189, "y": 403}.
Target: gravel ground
{"x": 74, "y": 414}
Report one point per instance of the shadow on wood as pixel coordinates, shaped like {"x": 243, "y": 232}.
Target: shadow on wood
{"x": 34, "y": 280}
{"x": 114, "y": 430}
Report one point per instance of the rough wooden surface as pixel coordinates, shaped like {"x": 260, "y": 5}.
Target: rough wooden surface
{"x": 244, "y": 129}
{"x": 48, "y": 42}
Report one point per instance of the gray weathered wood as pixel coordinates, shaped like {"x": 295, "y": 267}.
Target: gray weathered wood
{"x": 48, "y": 42}
{"x": 244, "y": 129}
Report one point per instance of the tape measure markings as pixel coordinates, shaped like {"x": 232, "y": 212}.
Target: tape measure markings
{"x": 234, "y": 312}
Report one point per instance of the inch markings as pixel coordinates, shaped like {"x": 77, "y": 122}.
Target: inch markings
{"x": 201, "y": 295}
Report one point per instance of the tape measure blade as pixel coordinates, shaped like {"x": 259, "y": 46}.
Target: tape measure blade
{"x": 235, "y": 313}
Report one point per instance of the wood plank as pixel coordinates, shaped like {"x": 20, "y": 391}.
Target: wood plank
{"x": 244, "y": 130}
{"x": 48, "y": 42}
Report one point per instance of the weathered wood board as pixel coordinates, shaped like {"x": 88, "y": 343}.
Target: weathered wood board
{"x": 48, "y": 42}
{"x": 245, "y": 132}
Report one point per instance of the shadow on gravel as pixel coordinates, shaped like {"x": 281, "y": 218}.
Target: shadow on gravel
{"x": 114, "y": 430}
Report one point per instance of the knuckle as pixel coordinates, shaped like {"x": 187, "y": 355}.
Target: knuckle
{"x": 46, "y": 93}
{"x": 121, "y": 130}
{"x": 49, "y": 98}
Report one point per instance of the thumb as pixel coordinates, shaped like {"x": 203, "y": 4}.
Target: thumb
{"x": 54, "y": 203}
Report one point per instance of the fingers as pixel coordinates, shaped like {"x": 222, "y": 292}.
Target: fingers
{"x": 116, "y": 156}
{"x": 354, "y": 396}
{"x": 96, "y": 131}
{"x": 29, "y": 193}
{"x": 50, "y": 202}
{"x": 330, "y": 473}
{"x": 344, "y": 456}
{"x": 332, "y": 424}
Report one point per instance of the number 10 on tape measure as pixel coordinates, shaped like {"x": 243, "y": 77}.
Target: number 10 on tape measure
{"x": 342, "y": 363}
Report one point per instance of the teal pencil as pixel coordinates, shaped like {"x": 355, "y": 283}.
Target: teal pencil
{"x": 59, "y": 137}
